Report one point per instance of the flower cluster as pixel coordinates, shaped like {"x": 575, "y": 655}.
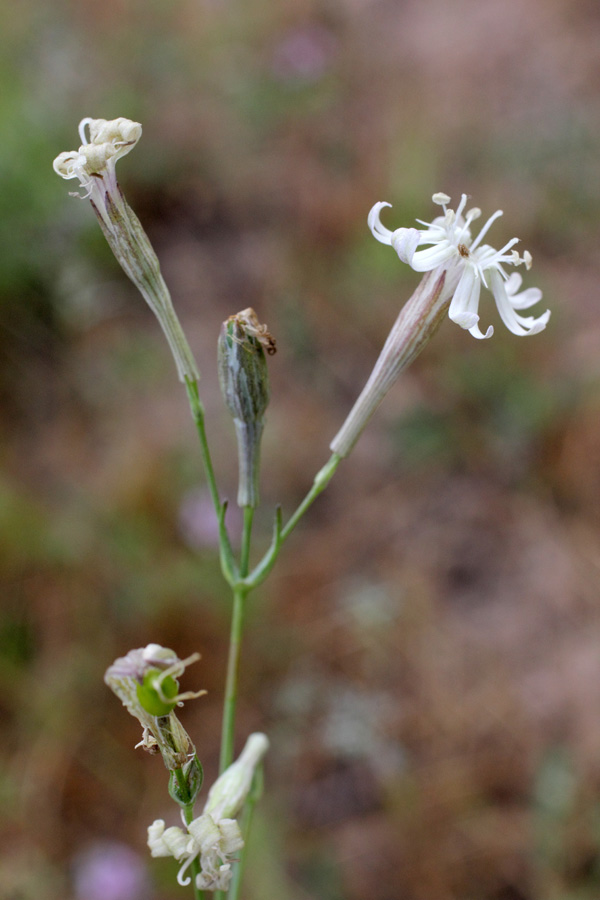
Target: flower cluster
{"x": 214, "y": 836}
{"x": 448, "y": 243}
{"x": 211, "y": 842}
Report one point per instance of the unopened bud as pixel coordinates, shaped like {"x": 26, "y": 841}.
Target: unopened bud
{"x": 244, "y": 379}
{"x": 228, "y": 794}
{"x": 185, "y": 784}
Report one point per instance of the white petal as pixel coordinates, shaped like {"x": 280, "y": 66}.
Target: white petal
{"x": 520, "y": 325}
{"x": 432, "y": 257}
{"x": 465, "y": 302}
{"x": 405, "y": 242}
{"x": 379, "y": 231}
{"x": 476, "y": 332}
{"x": 513, "y": 283}
{"x": 525, "y": 299}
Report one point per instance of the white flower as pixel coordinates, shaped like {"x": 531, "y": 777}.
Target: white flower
{"x": 94, "y": 165}
{"x": 448, "y": 242}
{"x": 212, "y": 842}
{"x": 214, "y": 836}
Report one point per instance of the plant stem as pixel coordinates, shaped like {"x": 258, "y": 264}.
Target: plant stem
{"x": 198, "y": 416}
{"x": 322, "y": 479}
{"x": 235, "y": 640}
{"x": 233, "y": 660}
{"x": 246, "y": 535}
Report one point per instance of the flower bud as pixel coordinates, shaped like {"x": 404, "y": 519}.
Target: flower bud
{"x": 228, "y": 794}
{"x": 244, "y": 380}
{"x": 185, "y": 788}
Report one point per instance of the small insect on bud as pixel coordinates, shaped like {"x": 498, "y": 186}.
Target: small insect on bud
{"x": 244, "y": 379}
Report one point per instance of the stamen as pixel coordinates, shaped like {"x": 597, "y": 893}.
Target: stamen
{"x": 180, "y": 879}
{"x": 486, "y": 228}
{"x": 461, "y": 205}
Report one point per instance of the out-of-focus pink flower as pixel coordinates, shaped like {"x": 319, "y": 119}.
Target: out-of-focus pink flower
{"x": 198, "y": 522}
{"x": 110, "y": 871}
{"x": 303, "y": 54}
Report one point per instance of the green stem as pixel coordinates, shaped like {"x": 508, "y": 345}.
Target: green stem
{"x": 246, "y": 535}
{"x": 226, "y": 553}
{"x": 198, "y": 416}
{"x": 231, "y": 686}
{"x": 322, "y": 479}
{"x": 262, "y": 569}
{"x": 235, "y": 642}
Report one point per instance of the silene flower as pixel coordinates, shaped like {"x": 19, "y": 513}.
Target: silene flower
{"x": 455, "y": 265}
{"x": 213, "y": 837}
{"x": 211, "y": 842}
{"x": 103, "y": 142}
{"x": 448, "y": 242}
{"x": 94, "y": 163}
{"x": 146, "y": 682}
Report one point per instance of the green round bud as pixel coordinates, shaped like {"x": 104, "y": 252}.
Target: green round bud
{"x": 149, "y": 697}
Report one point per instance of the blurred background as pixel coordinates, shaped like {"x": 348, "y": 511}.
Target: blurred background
{"x": 426, "y": 654}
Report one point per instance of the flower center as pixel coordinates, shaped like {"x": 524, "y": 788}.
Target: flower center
{"x": 463, "y": 250}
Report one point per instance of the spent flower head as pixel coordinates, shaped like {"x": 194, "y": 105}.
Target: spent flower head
{"x": 94, "y": 163}
{"x": 447, "y": 242}
{"x": 103, "y": 142}
{"x": 146, "y": 682}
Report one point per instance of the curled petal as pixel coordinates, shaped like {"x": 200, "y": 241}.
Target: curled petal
{"x": 476, "y": 332}
{"x": 521, "y": 325}
{"x": 465, "y": 302}
{"x": 68, "y": 164}
{"x": 405, "y": 242}
{"x": 524, "y": 299}
{"x": 167, "y": 841}
{"x": 379, "y": 231}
